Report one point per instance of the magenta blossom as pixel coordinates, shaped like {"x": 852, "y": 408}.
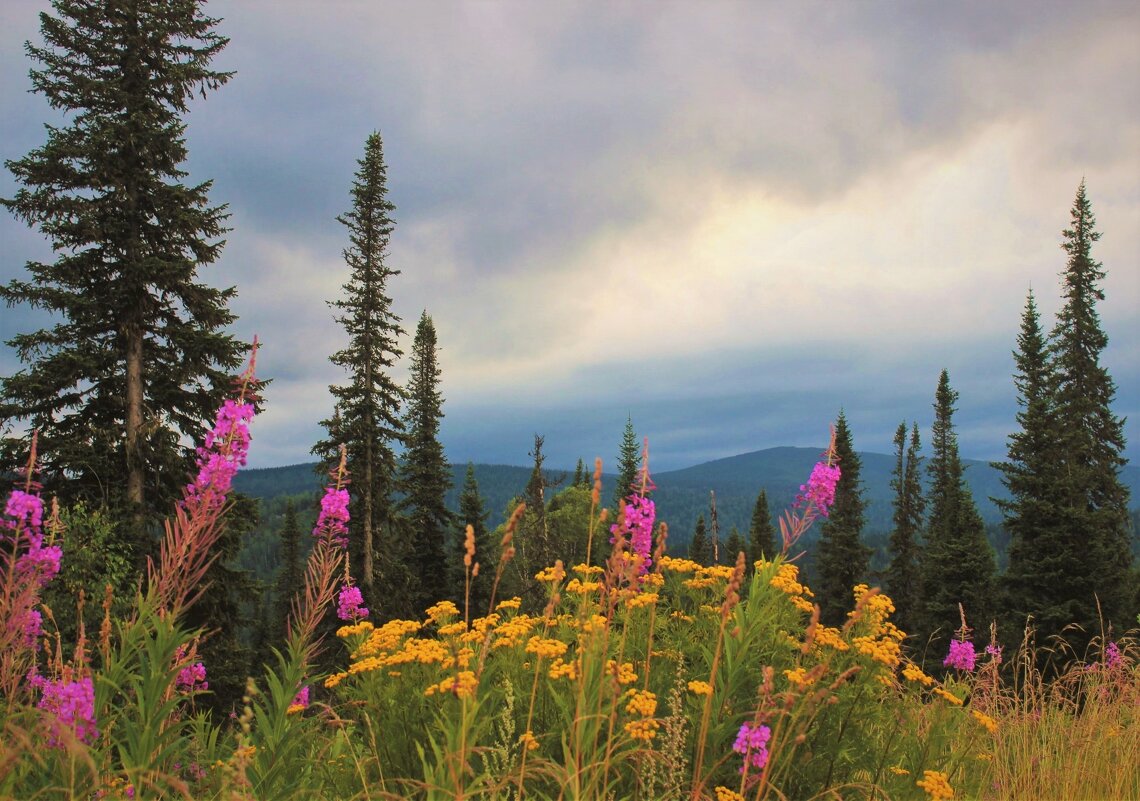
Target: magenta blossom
{"x": 222, "y": 454}
{"x": 31, "y": 627}
{"x": 301, "y": 699}
{"x": 192, "y": 678}
{"x": 820, "y": 489}
{"x": 637, "y": 526}
{"x": 349, "y": 603}
{"x": 333, "y": 519}
{"x": 961, "y": 656}
{"x": 71, "y": 705}
{"x": 1112, "y": 657}
{"x": 752, "y": 743}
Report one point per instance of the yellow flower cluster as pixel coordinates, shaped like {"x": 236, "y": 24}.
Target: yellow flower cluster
{"x": 724, "y": 794}
{"x": 700, "y": 688}
{"x": 641, "y": 702}
{"x": 461, "y": 686}
{"x": 510, "y": 633}
{"x": 885, "y": 651}
{"x": 787, "y": 581}
{"x": 528, "y": 741}
{"x": 700, "y": 582}
{"x": 641, "y": 599}
{"x": 563, "y": 670}
{"x": 553, "y": 574}
{"x": 799, "y": 677}
{"x": 828, "y": 637}
{"x": 955, "y": 700}
{"x": 582, "y": 587}
{"x": 912, "y": 672}
{"x": 895, "y": 769}
{"x": 363, "y": 627}
{"x": 545, "y": 647}
{"x": 387, "y": 638}
{"x": 652, "y": 581}
{"x": 453, "y": 629}
{"x": 936, "y": 784}
{"x": 510, "y": 603}
{"x": 442, "y": 612}
{"x": 623, "y": 672}
{"x": 989, "y": 723}
{"x": 585, "y": 570}
{"x": 644, "y": 729}
{"x": 295, "y": 709}
{"x": 595, "y": 623}
{"x": 675, "y": 565}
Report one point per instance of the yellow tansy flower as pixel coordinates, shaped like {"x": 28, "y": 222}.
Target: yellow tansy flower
{"x": 936, "y": 784}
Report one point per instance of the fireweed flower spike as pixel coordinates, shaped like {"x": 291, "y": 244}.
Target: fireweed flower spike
{"x": 961, "y": 656}
{"x": 349, "y": 604}
{"x": 815, "y": 499}
{"x": 752, "y": 744}
{"x": 638, "y": 514}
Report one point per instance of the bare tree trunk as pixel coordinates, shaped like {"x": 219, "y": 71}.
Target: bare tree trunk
{"x": 134, "y": 424}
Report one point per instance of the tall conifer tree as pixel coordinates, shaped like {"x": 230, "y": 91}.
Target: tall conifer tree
{"x": 1091, "y": 498}
{"x": 761, "y": 532}
{"x": 629, "y": 464}
{"x": 843, "y": 558}
{"x": 903, "y": 576}
{"x": 426, "y": 475}
{"x": 700, "y": 547}
{"x": 290, "y": 572}
{"x": 473, "y": 512}
{"x": 366, "y": 413}
{"x": 958, "y": 562}
{"x": 137, "y": 358}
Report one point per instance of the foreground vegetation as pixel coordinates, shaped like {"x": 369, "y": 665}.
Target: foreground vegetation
{"x": 649, "y": 678}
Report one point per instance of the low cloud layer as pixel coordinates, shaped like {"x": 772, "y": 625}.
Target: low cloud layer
{"x": 725, "y": 221}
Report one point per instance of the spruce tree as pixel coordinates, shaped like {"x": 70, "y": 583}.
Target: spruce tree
{"x": 903, "y": 578}
{"x": 629, "y": 464}
{"x": 290, "y": 572}
{"x": 761, "y": 532}
{"x": 958, "y": 562}
{"x": 843, "y": 558}
{"x": 136, "y": 362}
{"x": 579, "y": 479}
{"x": 426, "y": 475}
{"x": 1090, "y": 497}
{"x": 700, "y": 546}
{"x": 734, "y": 545}
{"x": 472, "y": 512}
{"x": 366, "y": 412}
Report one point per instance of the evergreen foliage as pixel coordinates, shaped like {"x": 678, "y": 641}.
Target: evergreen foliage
{"x": 700, "y": 546}
{"x": 472, "y": 512}
{"x": 136, "y": 362}
{"x": 366, "y": 413}
{"x": 761, "y": 532}
{"x": 903, "y": 577}
{"x": 958, "y": 563}
{"x": 629, "y": 464}
{"x": 842, "y": 558}
{"x": 425, "y": 473}
{"x": 734, "y": 545}
{"x": 290, "y": 573}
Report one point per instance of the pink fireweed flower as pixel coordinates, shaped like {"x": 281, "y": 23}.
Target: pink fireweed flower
{"x": 71, "y": 705}
{"x": 192, "y": 679}
{"x": 349, "y": 603}
{"x": 300, "y": 701}
{"x": 332, "y": 522}
{"x": 994, "y": 652}
{"x": 24, "y": 509}
{"x": 961, "y": 656}
{"x": 820, "y": 488}
{"x": 31, "y": 626}
{"x": 221, "y": 455}
{"x": 752, "y": 743}
{"x": 636, "y": 527}
{"x": 1112, "y": 657}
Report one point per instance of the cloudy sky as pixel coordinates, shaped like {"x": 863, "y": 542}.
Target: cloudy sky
{"x": 727, "y": 220}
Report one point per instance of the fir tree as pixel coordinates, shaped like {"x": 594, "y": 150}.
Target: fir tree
{"x": 903, "y": 576}
{"x": 290, "y": 572}
{"x": 472, "y": 512}
{"x": 426, "y": 475}
{"x": 629, "y": 464}
{"x": 580, "y": 479}
{"x": 700, "y": 547}
{"x": 1090, "y": 497}
{"x": 734, "y": 545}
{"x": 958, "y": 562}
{"x": 761, "y": 532}
{"x": 366, "y": 413}
{"x": 843, "y": 558}
{"x": 137, "y": 361}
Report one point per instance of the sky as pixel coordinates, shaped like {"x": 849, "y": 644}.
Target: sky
{"x": 725, "y": 221}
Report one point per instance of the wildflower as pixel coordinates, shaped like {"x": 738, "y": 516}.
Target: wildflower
{"x": 333, "y": 518}
{"x": 349, "y": 604}
{"x": 528, "y": 741}
{"x": 898, "y": 771}
{"x": 820, "y": 489}
{"x": 442, "y": 612}
{"x": 912, "y": 672}
{"x": 955, "y": 700}
{"x": 563, "y": 670}
{"x": 641, "y": 702}
{"x": 545, "y": 648}
{"x": 71, "y": 705}
{"x": 961, "y": 656}
{"x": 31, "y": 626}
{"x": 636, "y": 526}
{"x": 752, "y": 743}
{"x": 192, "y": 679}
{"x": 644, "y": 729}
{"x": 1112, "y": 657}
{"x": 724, "y": 794}
{"x": 510, "y": 603}
{"x": 936, "y": 784}
{"x": 989, "y": 723}
{"x": 994, "y": 652}
{"x": 623, "y": 672}
{"x": 300, "y": 701}
{"x": 221, "y": 454}
{"x": 799, "y": 677}
{"x": 700, "y": 688}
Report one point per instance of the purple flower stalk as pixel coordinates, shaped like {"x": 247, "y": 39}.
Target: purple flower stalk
{"x": 820, "y": 489}
{"x": 72, "y": 706}
{"x": 301, "y": 699}
{"x": 637, "y": 523}
{"x": 221, "y": 455}
{"x": 752, "y": 743}
{"x": 333, "y": 519}
{"x": 349, "y": 604}
{"x": 192, "y": 678}
{"x": 961, "y": 656}
{"x": 1112, "y": 657}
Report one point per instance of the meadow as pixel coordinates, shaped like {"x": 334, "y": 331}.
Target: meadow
{"x": 639, "y": 676}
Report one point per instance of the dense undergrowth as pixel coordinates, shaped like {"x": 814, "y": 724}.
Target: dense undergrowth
{"x": 647, "y": 678}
